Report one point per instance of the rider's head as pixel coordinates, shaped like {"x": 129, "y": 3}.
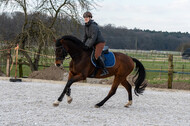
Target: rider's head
{"x": 87, "y": 16}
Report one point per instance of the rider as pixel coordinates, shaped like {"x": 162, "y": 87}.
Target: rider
{"x": 93, "y": 38}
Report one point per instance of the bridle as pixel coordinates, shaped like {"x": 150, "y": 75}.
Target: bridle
{"x": 62, "y": 54}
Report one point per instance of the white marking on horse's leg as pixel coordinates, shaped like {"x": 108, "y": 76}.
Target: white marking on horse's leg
{"x": 56, "y": 103}
{"x": 128, "y": 104}
{"x": 69, "y": 99}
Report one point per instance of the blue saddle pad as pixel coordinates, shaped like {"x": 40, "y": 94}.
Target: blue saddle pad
{"x": 109, "y": 60}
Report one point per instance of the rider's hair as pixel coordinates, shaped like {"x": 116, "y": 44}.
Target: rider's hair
{"x": 87, "y": 14}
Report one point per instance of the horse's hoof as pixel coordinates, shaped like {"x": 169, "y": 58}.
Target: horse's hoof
{"x": 128, "y": 104}
{"x": 69, "y": 100}
{"x": 97, "y": 106}
{"x": 56, "y": 103}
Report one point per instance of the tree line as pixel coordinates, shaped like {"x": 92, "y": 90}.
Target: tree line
{"x": 116, "y": 37}
{"x": 123, "y": 38}
{"x": 36, "y": 27}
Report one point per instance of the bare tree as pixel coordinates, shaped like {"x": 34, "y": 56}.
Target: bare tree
{"x": 37, "y": 33}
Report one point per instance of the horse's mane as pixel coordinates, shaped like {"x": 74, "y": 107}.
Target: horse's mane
{"x": 74, "y": 39}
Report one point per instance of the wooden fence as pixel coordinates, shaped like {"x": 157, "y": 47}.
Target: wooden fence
{"x": 7, "y": 60}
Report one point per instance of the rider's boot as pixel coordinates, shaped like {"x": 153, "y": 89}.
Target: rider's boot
{"x": 94, "y": 73}
{"x": 102, "y": 65}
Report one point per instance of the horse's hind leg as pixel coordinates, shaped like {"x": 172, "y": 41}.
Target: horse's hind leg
{"x": 111, "y": 92}
{"x": 128, "y": 87}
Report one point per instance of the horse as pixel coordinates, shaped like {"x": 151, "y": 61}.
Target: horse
{"x": 81, "y": 67}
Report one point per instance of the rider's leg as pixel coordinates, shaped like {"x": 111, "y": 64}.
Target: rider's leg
{"x": 102, "y": 65}
{"x": 99, "y": 59}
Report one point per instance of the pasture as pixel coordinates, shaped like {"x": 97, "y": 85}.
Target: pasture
{"x": 155, "y": 62}
{"x": 156, "y": 65}
{"x": 30, "y": 103}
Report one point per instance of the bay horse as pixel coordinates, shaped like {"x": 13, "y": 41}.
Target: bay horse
{"x": 81, "y": 67}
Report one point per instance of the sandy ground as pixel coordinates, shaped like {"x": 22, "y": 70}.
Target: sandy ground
{"x": 30, "y": 104}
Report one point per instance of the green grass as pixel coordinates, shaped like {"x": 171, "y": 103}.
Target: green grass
{"x": 151, "y": 61}
{"x": 160, "y": 62}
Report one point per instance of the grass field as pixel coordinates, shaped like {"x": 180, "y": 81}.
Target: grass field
{"x": 155, "y": 62}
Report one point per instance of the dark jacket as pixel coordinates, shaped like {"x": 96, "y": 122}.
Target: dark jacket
{"x": 92, "y": 34}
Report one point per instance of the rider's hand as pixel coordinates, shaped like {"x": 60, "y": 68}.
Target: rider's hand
{"x": 86, "y": 47}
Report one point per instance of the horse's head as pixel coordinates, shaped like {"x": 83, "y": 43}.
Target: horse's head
{"x": 60, "y": 52}
{"x": 69, "y": 45}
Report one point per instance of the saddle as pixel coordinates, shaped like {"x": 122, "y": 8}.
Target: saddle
{"x": 109, "y": 58}
{"x": 105, "y": 50}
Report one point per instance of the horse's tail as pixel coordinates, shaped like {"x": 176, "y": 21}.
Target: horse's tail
{"x": 139, "y": 85}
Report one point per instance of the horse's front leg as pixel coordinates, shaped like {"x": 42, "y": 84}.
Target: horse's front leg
{"x": 68, "y": 93}
{"x": 67, "y": 87}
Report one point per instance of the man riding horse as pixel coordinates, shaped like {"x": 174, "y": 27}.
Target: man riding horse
{"x": 80, "y": 66}
{"x": 94, "y": 39}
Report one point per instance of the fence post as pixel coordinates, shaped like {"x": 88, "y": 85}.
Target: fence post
{"x": 20, "y": 68}
{"x": 170, "y": 71}
{"x": 16, "y": 61}
{"x": 8, "y": 63}
{"x": 182, "y": 70}
{"x": 0, "y": 62}
{"x": 160, "y": 72}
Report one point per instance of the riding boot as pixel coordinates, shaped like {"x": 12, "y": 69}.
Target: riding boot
{"x": 94, "y": 73}
{"x": 102, "y": 65}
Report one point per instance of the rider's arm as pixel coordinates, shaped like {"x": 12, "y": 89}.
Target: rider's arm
{"x": 85, "y": 37}
{"x": 94, "y": 35}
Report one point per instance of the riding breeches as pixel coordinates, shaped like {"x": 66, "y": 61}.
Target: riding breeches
{"x": 98, "y": 49}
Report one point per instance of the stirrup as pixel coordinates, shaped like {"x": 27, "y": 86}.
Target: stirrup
{"x": 104, "y": 72}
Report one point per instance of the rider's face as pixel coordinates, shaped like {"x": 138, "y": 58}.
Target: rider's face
{"x": 86, "y": 19}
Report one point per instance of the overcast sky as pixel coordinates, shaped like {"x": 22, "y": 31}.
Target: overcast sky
{"x": 158, "y": 15}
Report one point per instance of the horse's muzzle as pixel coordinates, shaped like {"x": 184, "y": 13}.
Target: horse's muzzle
{"x": 58, "y": 63}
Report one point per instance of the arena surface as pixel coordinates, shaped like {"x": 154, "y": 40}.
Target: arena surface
{"x": 30, "y": 104}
